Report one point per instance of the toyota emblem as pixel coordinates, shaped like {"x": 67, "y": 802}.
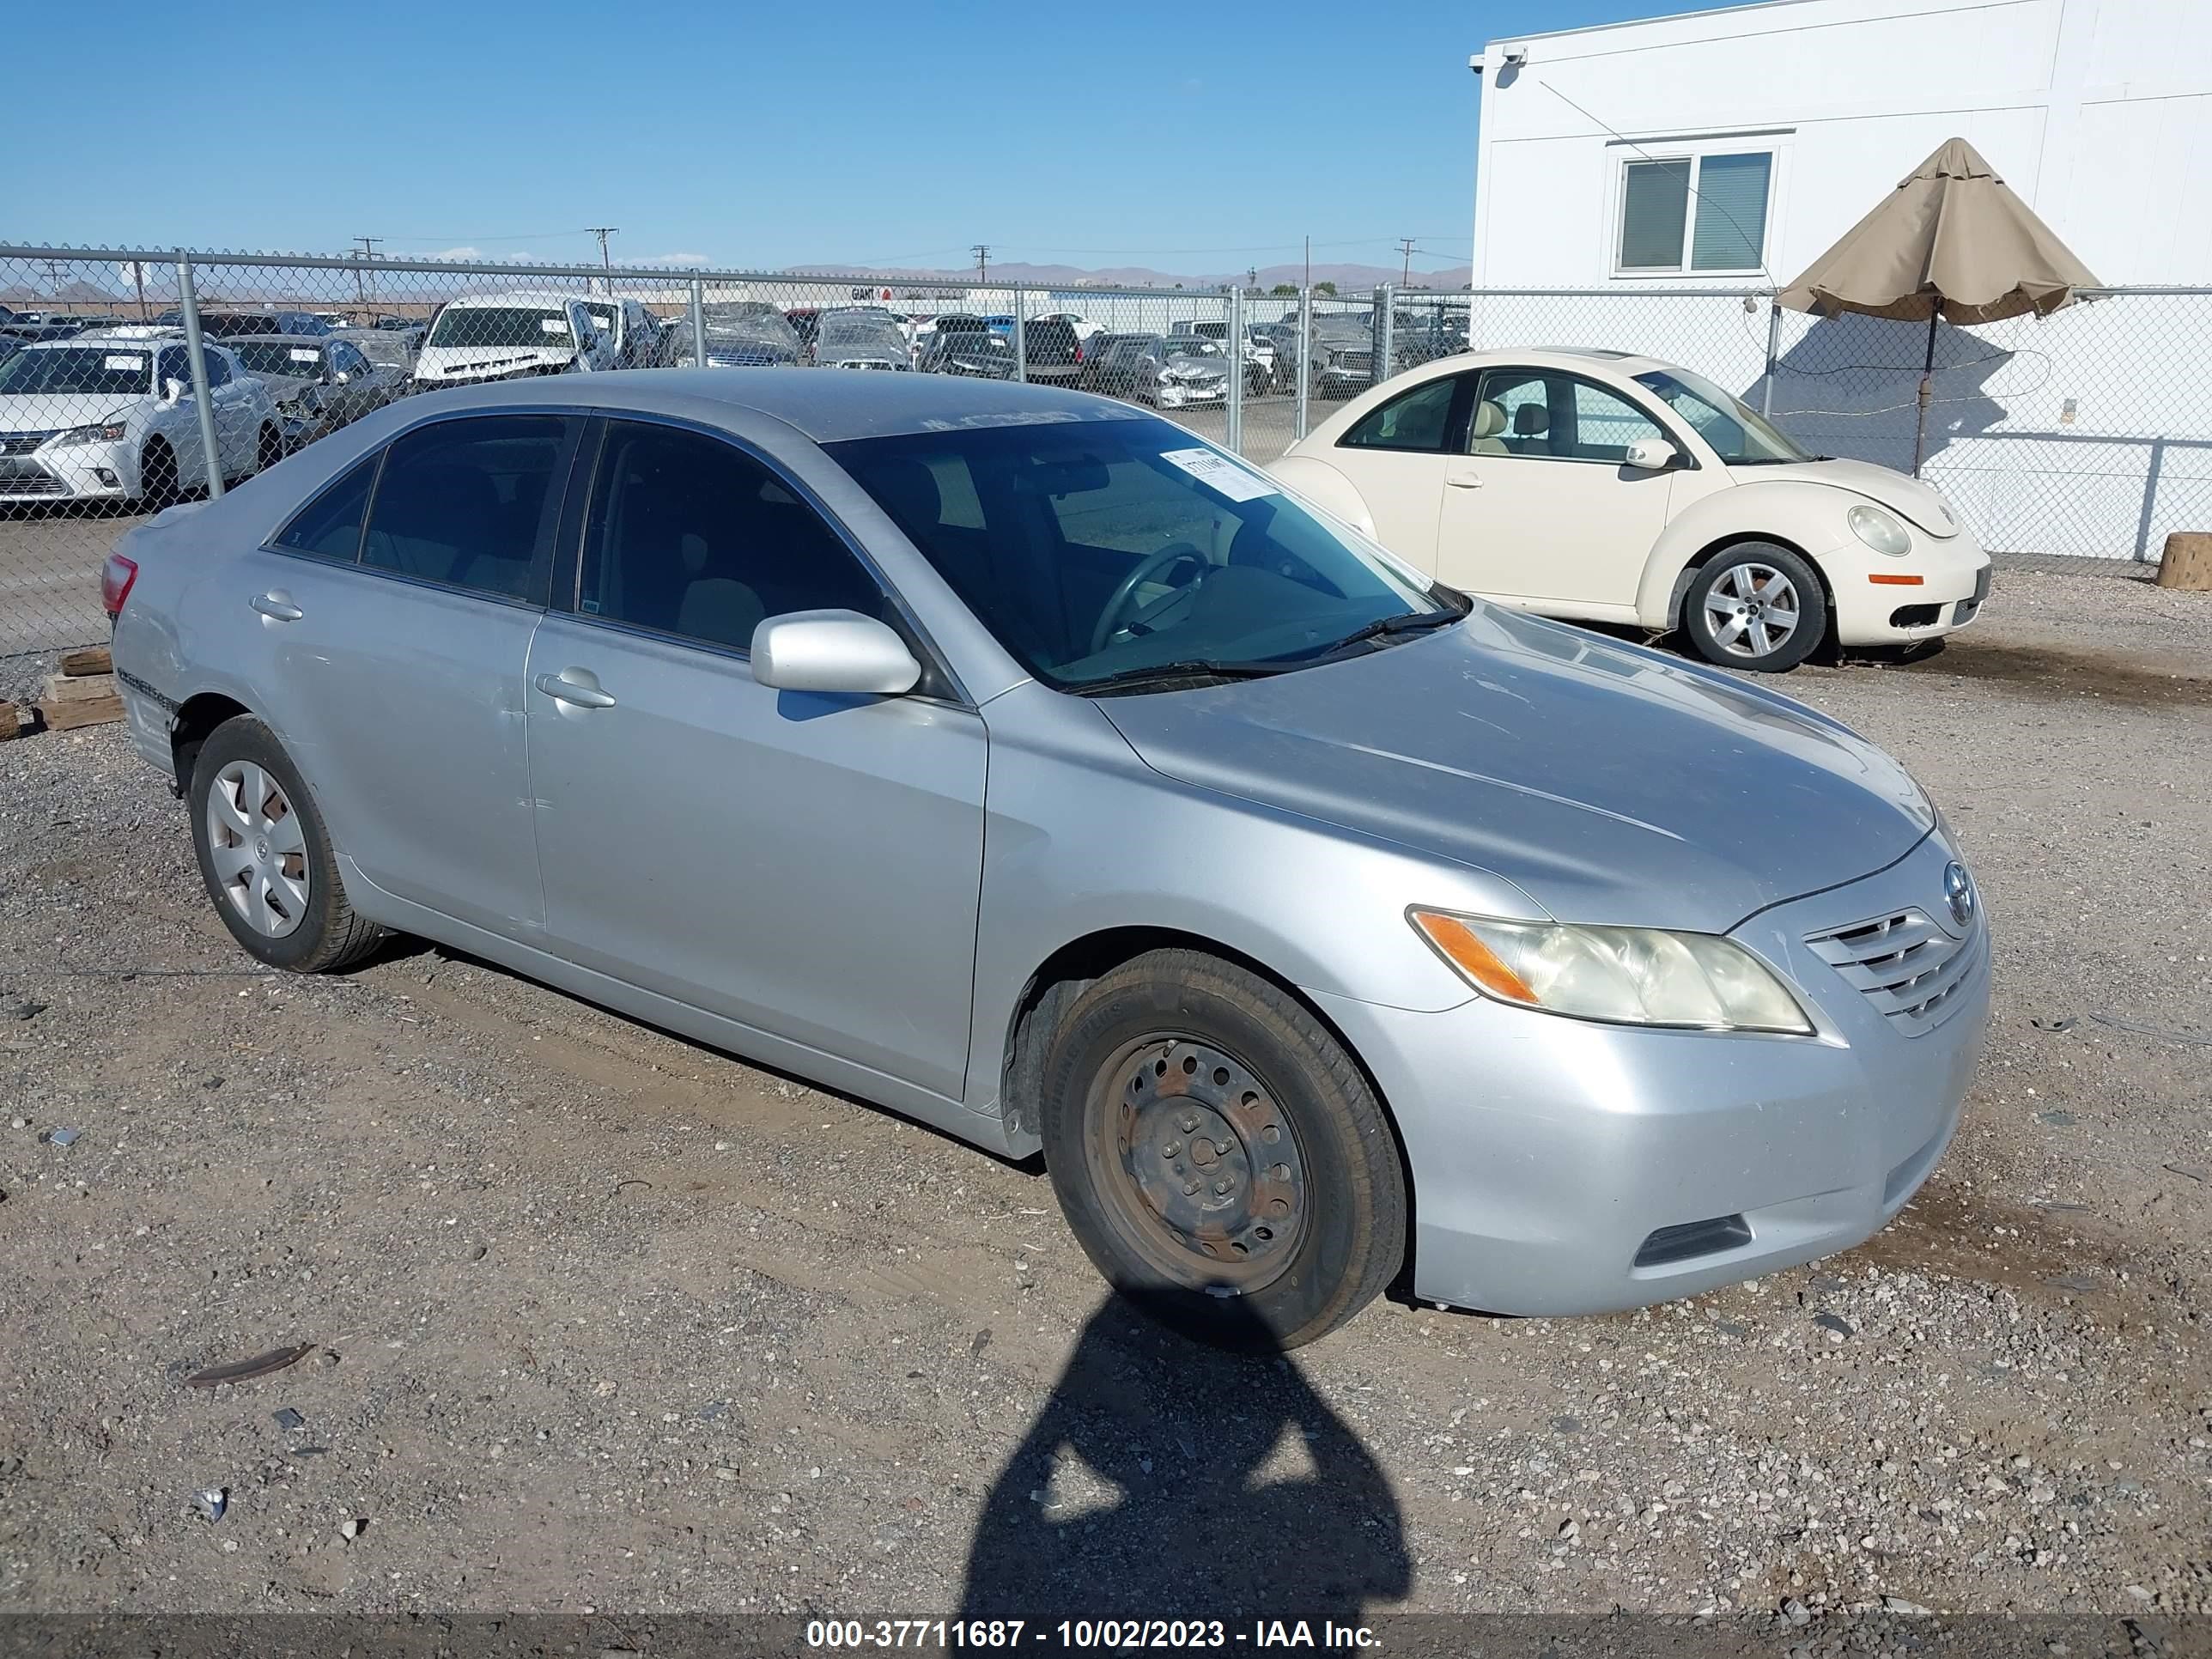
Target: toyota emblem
{"x": 1959, "y": 893}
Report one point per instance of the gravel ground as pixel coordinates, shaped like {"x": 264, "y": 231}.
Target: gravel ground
{"x": 602, "y": 1320}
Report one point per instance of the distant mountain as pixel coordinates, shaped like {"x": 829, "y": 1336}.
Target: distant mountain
{"x": 1347, "y": 277}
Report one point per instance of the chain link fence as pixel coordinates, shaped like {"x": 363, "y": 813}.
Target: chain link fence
{"x": 121, "y": 370}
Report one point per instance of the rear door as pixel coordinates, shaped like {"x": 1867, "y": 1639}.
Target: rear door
{"x": 1542, "y": 507}
{"x": 393, "y": 617}
{"x": 806, "y": 866}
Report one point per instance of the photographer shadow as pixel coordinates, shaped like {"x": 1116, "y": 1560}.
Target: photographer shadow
{"x": 1167, "y": 1479}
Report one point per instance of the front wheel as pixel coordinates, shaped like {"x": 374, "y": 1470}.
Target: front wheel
{"x": 1218, "y": 1154}
{"x": 1757, "y": 606}
{"x": 266, "y": 855}
{"x": 268, "y": 450}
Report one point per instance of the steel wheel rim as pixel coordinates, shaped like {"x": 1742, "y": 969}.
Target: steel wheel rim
{"x": 1199, "y": 1162}
{"x": 258, "y": 849}
{"x": 1753, "y": 610}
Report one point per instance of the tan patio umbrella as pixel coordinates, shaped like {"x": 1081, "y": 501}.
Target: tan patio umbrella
{"x": 1951, "y": 241}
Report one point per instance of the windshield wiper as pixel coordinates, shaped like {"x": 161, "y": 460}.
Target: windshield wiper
{"x": 1192, "y": 669}
{"x": 1412, "y": 621}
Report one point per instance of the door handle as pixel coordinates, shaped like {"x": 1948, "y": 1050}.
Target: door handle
{"x": 1464, "y": 478}
{"x": 276, "y": 608}
{"x": 563, "y": 689}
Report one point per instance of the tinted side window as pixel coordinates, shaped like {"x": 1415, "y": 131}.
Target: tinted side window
{"x": 687, "y": 535}
{"x": 171, "y": 366}
{"x": 1419, "y": 420}
{"x": 472, "y": 503}
{"x": 329, "y": 526}
{"x": 218, "y": 371}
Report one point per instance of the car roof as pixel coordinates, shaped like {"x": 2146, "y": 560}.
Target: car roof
{"x": 823, "y": 405}
{"x": 1625, "y": 363}
{"x": 316, "y": 340}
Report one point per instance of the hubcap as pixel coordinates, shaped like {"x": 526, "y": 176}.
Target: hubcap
{"x": 258, "y": 848}
{"x": 1203, "y": 1163}
{"x": 1751, "y": 610}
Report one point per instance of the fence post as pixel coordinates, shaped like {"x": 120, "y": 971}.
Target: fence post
{"x": 1305, "y": 355}
{"x": 188, "y": 302}
{"x": 1385, "y": 336}
{"x": 1774, "y": 355}
{"x": 1021, "y": 338}
{"x": 1234, "y": 427}
{"x": 698, "y": 324}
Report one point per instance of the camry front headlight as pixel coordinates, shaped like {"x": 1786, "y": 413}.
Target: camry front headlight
{"x": 1879, "y": 531}
{"x": 109, "y": 431}
{"x": 1630, "y": 975}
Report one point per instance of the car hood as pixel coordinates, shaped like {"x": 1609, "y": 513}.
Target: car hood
{"x": 1608, "y": 782}
{"x": 1907, "y": 497}
{"x": 57, "y": 411}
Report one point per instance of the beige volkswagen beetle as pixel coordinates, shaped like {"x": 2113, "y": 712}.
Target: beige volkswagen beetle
{"x": 1603, "y": 487}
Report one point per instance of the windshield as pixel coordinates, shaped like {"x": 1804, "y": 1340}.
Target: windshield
{"x": 860, "y": 332}
{"x": 752, "y": 320}
{"x": 1091, "y": 549}
{"x": 1192, "y": 345}
{"x": 1739, "y": 433}
{"x": 90, "y": 369}
{"x": 278, "y": 357}
{"x": 1340, "y": 328}
{"x": 536, "y": 326}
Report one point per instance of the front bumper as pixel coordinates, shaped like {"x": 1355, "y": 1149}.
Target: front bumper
{"x": 70, "y": 473}
{"x": 1875, "y": 606}
{"x": 1173, "y": 394}
{"x": 1548, "y": 1155}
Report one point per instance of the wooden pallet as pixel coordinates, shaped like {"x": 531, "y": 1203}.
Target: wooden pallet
{"x": 82, "y": 694}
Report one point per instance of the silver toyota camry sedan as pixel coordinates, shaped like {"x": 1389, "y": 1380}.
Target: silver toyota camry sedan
{"x": 1026, "y": 765}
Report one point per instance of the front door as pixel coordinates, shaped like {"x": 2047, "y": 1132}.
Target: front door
{"x": 807, "y": 866}
{"x": 1541, "y": 508}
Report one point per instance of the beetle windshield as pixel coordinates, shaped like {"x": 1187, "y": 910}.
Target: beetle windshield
{"x": 1095, "y": 550}
{"x": 1738, "y": 433}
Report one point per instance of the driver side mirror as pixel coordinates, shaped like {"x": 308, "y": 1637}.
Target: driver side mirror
{"x": 1650, "y": 455}
{"x": 842, "y": 652}
{"x": 172, "y": 390}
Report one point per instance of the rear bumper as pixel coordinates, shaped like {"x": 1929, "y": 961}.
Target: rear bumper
{"x": 1565, "y": 1167}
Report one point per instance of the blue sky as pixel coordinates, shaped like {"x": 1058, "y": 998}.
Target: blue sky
{"x": 1186, "y": 137}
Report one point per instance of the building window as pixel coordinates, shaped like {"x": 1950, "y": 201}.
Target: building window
{"x": 1698, "y": 213}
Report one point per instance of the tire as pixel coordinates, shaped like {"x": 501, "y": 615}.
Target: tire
{"x": 271, "y": 874}
{"x": 1266, "y": 1204}
{"x": 1756, "y": 606}
{"x": 158, "y": 482}
{"x": 268, "y": 450}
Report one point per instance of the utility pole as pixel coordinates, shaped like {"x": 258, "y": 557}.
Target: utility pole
{"x": 1309, "y": 282}
{"x": 1405, "y": 275}
{"x": 603, "y": 232}
{"x": 983, "y": 252}
{"x": 368, "y": 252}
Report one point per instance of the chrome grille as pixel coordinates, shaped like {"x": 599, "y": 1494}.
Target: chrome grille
{"x": 21, "y": 443}
{"x": 1912, "y": 970}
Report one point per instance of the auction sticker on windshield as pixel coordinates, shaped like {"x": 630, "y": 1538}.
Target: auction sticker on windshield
{"x": 1219, "y": 472}
{"x": 124, "y": 365}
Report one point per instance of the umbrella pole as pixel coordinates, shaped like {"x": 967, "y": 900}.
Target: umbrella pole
{"x": 1927, "y": 393}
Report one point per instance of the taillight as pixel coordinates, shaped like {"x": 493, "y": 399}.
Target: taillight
{"x": 115, "y": 578}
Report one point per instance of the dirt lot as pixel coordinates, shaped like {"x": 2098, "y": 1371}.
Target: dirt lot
{"x": 602, "y": 1320}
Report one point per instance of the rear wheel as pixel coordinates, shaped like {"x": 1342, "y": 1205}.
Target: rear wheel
{"x": 1219, "y": 1155}
{"x": 1756, "y": 606}
{"x": 266, "y": 855}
